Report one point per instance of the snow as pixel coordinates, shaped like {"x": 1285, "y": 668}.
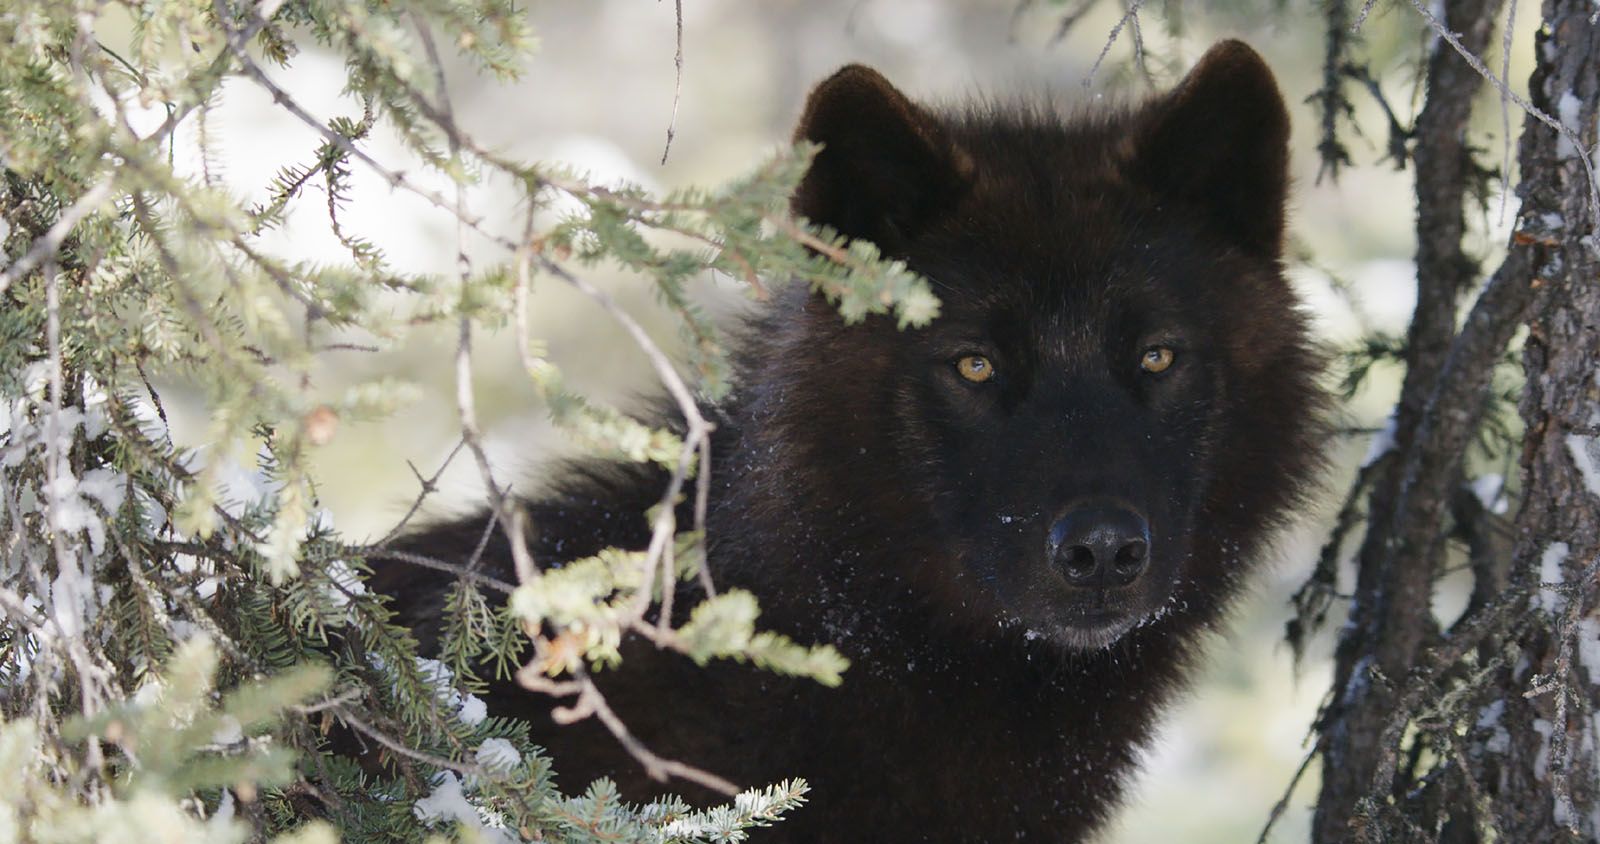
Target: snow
{"x": 239, "y": 487}
{"x": 340, "y": 573}
{"x": 448, "y": 801}
{"x": 470, "y": 710}
{"x": 1550, "y": 573}
{"x": 473, "y": 711}
{"x": 1490, "y": 718}
{"x": 1567, "y": 108}
{"x": 497, "y": 754}
{"x": 224, "y": 813}
{"x": 1585, "y": 451}
{"x": 442, "y": 679}
{"x": 70, "y": 607}
{"x": 1382, "y": 443}
{"x": 70, "y": 499}
{"x": 229, "y": 732}
{"x": 1589, "y": 647}
{"x": 1541, "y": 760}
{"x": 1489, "y": 490}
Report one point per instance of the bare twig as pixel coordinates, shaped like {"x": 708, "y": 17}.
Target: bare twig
{"x": 1017, "y": 11}
{"x": 1070, "y": 20}
{"x": 1282, "y": 805}
{"x": 424, "y": 561}
{"x": 429, "y": 486}
{"x": 591, "y": 702}
{"x": 355, "y": 722}
{"x": 677, "y": 85}
{"x": 1132, "y": 14}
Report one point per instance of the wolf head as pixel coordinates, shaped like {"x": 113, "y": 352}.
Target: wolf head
{"x": 1118, "y": 399}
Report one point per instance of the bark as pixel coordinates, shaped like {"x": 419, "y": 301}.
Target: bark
{"x": 1545, "y": 786}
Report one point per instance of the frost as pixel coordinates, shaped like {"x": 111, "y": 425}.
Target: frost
{"x": 1550, "y": 576}
{"x": 497, "y": 754}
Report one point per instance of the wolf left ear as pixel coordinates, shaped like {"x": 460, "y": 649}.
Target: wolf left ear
{"x": 887, "y": 165}
{"x": 1221, "y": 140}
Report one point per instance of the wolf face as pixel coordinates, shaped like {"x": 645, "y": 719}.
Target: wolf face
{"x": 1115, "y": 348}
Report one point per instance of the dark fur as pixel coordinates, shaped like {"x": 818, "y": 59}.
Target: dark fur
{"x": 872, "y": 498}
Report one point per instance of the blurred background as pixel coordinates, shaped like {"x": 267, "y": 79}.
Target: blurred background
{"x": 599, "y": 96}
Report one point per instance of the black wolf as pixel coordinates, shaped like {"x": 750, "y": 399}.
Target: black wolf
{"x": 1018, "y": 522}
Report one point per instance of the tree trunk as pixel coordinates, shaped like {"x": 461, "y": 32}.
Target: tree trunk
{"x": 1395, "y": 763}
{"x": 1545, "y": 789}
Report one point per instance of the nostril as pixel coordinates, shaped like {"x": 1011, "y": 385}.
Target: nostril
{"x": 1100, "y": 544}
{"x": 1078, "y": 562}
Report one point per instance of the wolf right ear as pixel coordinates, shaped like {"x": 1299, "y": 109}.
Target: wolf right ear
{"x": 1221, "y": 141}
{"x": 887, "y": 166}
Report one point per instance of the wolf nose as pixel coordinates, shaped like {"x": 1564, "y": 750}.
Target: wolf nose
{"x": 1100, "y": 544}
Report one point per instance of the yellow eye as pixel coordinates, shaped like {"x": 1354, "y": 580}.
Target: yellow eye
{"x": 1156, "y": 359}
{"x": 975, "y": 368}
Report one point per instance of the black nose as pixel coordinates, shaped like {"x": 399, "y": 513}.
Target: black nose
{"x": 1100, "y": 544}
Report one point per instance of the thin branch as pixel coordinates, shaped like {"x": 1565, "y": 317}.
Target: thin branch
{"x": 1070, "y": 20}
{"x": 677, "y": 85}
{"x": 1132, "y": 14}
{"x": 429, "y": 486}
{"x": 592, "y": 702}
{"x": 424, "y": 561}
{"x": 1282, "y": 805}
{"x": 343, "y": 713}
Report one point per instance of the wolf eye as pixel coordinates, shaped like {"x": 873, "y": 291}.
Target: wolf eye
{"x": 1156, "y": 359}
{"x": 975, "y": 368}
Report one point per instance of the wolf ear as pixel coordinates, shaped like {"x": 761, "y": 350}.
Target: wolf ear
{"x": 886, "y": 167}
{"x": 1221, "y": 140}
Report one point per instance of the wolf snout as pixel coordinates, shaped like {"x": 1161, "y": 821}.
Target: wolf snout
{"x": 1100, "y": 544}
